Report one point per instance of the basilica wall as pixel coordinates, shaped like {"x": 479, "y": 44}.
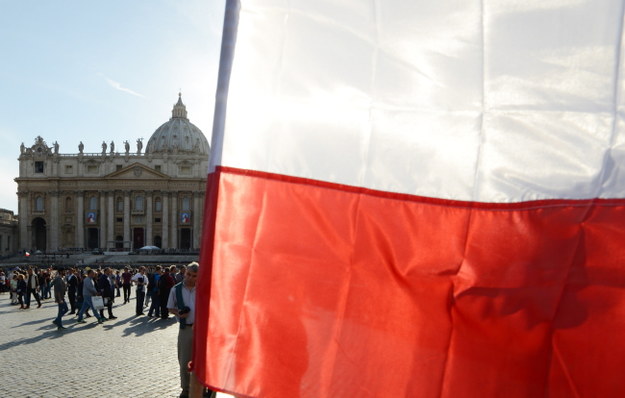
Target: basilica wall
{"x": 8, "y": 233}
{"x": 113, "y": 200}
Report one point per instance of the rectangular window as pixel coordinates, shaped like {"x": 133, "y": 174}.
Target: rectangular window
{"x": 38, "y": 167}
{"x": 139, "y": 203}
{"x": 118, "y": 167}
{"x": 69, "y": 169}
{"x": 119, "y": 219}
{"x": 186, "y": 204}
{"x": 157, "y": 167}
{"x": 92, "y": 168}
{"x": 157, "y": 219}
{"x": 186, "y": 170}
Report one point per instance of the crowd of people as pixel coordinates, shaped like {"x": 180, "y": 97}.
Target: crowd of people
{"x": 152, "y": 286}
{"x": 160, "y": 290}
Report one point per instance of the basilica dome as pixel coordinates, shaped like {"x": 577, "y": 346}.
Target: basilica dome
{"x": 178, "y": 135}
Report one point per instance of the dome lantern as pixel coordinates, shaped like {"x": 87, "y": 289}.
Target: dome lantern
{"x": 179, "y": 111}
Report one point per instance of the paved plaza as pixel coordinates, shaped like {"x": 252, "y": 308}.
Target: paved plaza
{"x": 127, "y": 357}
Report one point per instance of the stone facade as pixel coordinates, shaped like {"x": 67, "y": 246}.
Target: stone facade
{"x": 116, "y": 200}
{"x": 8, "y": 233}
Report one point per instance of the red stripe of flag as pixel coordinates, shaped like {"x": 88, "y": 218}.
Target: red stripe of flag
{"x": 318, "y": 290}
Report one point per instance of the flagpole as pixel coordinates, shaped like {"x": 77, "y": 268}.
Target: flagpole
{"x": 228, "y": 42}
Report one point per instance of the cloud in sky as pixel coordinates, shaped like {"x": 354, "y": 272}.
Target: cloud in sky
{"x": 117, "y": 86}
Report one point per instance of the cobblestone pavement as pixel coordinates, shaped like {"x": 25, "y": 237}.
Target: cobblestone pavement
{"x": 127, "y": 357}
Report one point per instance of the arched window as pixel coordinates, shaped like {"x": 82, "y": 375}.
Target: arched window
{"x": 93, "y": 203}
{"x": 120, "y": 205}
{"x": 39, "y": 203}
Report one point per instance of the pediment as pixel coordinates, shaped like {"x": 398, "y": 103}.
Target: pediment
{"x": 136, "y": 171}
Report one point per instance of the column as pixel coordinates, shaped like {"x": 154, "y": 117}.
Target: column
{"x": 173, "y": 235}
{"x": 54, "y": 225}
{"x": 102, "y": 219}
{"x": 165, "y": 220}
{"x": 24, "y": 217}
{"x": 110, "y": 218}
{"x": 127, "y": 217}
{"x": 197, "y": 219}
{"x": 80, "y": 219}
{"x": 149, "y": 219}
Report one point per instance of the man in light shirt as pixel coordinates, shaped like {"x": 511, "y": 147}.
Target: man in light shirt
{"x": 181, "y": 303}
{"x": 141, "y": 280}
{"x": 88, "y": 291}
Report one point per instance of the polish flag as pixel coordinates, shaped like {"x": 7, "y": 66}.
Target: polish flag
{"x": 414, "y": 198}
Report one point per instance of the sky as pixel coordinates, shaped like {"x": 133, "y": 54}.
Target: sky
{"x": 75, "y": 70}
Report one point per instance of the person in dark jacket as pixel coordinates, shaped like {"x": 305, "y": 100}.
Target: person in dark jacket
{"x": 153, "y": 286}
{"x": 165, "y": 283}
{"x": 60, "y": 287}
{"x": 126, "y": 276}
{"x": 106, "y": 288}
{"x": 21, "y": 290}
{"x": 118, "y": 283}
{"x": 72, "y": 286}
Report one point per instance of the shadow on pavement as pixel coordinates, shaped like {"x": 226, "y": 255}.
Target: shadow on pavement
{"x": 141, "y": 325}
{"x": 51, "y": 333}
{"x": 135, "y": 326}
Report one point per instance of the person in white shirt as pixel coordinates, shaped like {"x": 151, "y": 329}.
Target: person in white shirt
{"x": 141, "y": 280}
{"x": 181, "y": 303}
